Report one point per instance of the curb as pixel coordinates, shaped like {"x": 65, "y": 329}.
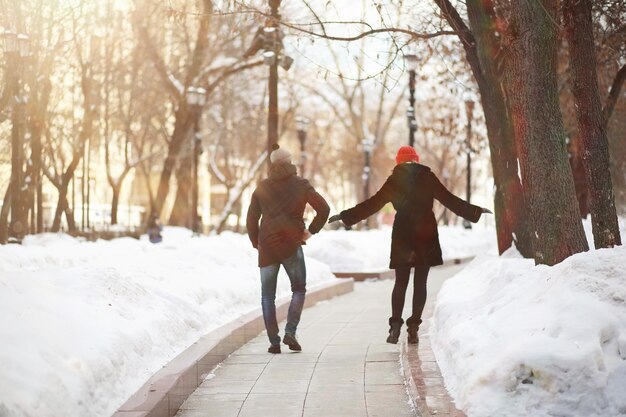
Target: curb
{"x": 390, "y": 273}
{"x": 424, "y": 381}
{"x": 164, "y": 393}
{"x": 362, "y": 276}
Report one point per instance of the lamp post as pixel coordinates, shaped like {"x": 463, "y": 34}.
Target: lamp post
{"x": 368, "y": 146}
{"x": 411, "y": 64}
{"x": 270, "y": 39}
{"x": 16, "y": 48}
{"x": 469, "y": 108}
{"x": 196, "y": 98}
{"x": 302, "y": 125}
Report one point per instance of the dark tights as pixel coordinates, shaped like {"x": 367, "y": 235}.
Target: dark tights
{"x": 419, "y": 294}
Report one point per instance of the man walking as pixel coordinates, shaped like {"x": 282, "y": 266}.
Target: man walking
{"x": 279, "y": 201}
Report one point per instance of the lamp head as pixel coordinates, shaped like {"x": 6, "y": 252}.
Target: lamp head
{"x": 269, "y": 57}
{"x": 302, "y": 123}
{"x": 23, "y": 44}
{"x": 286, "y": 62}
{"x": 411, "y": 61}
{"x": 10, "y": 41}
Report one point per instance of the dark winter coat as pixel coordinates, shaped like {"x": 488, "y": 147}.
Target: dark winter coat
{"x": 411, "y": 188}
{"x": 280, "y": 201}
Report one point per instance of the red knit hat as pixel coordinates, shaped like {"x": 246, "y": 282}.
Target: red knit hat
{"x": 407, "y": 154}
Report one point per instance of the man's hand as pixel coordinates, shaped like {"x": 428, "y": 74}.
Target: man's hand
{"x": 306, "y": 235}
{"x": 336, "y": 217}
{"x": 486, "y": 210}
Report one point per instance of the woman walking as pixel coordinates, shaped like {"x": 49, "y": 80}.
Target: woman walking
{"x": 411, "y": 188}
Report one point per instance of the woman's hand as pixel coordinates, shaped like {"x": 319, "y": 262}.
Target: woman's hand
{"x": 336, "y": 217}
{"x": 306, "y": 235}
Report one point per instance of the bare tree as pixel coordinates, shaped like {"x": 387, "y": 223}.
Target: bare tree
{"x": 193, "y": 72}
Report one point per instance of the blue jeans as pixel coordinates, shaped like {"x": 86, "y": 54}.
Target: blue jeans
{"x": 296, "y": 270}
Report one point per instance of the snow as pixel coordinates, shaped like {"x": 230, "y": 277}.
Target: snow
{"x": 85, "y": 324}
{"x": 369, "y": 250}
{"x": 512, "y": 338}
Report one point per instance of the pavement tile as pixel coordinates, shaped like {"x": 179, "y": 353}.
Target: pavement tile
{"x": 273, "y": 386}
{"x": 240, "y": 371}
{"x": 225, "y": 386}
{"x": 385, "y": 398}
{"x": 382, "y": 357}
{"x": 295, "y": 358}
{"x": 336, "y": 398}
{"x": 385, "y": 388}
{"x": 233, "y": 412}
{"x": 333, "y": 386}
{"x": 213, "y": 402}
{"x": 275, "y": 405}
{"x": 383, "y": 373}
{"x": 335, "y": 412}
{"x": 248, "y": 358}
{"x": 397, "y": 410}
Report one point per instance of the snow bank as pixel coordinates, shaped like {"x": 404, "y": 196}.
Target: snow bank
{"x": 513, "y": 339}
{"x": 85, "y": 324}
{"x": 369, "y": 250}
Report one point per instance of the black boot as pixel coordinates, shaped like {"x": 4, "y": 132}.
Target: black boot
{"x": 394, "y": 331}
{"x": 412, "y": 338}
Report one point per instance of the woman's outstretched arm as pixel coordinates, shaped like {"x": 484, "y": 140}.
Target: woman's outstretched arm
{"x": 368, "y": 207}
{"x": 459, "y": 206}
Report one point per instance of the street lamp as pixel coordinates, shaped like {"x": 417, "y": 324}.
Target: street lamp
{"x": 368, "y": 147}
{"x": 10, "y": 42}
{"x": 270, "y": 39}
{"x": 16, "y": 48}
{"x": 302, "y": 124}
{"x": 411, "y": 64}
{"x": 469, "y": 108}
{"x": 196, "y": 99}
{"x": 23, "y": 43}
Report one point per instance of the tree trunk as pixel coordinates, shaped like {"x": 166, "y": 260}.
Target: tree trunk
{"x": 591, "y": 129}
{"x": 4, "y": 216}
{"x": 532, "y": 94}
{"x": 37, "y": 124}
{"x": 512, "y": 222}
{"x": 69, "y": 217}
{"x": 146, "y": 175}
{"x": 115, "y": 202}
{"x": 576, "y": 150}
{"x": 181, "y": 212}
{"x": 182, "y": 128}
{"x": 61, "y": 206}
{"x": 481, "y": 49}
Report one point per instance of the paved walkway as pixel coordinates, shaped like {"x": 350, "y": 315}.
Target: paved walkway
{"x": 345, "y": 367}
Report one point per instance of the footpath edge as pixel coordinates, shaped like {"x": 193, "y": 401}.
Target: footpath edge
{"x": 164, "y": 392}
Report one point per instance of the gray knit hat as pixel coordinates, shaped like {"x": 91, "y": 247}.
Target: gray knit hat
{"x": 279, "y": 155}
